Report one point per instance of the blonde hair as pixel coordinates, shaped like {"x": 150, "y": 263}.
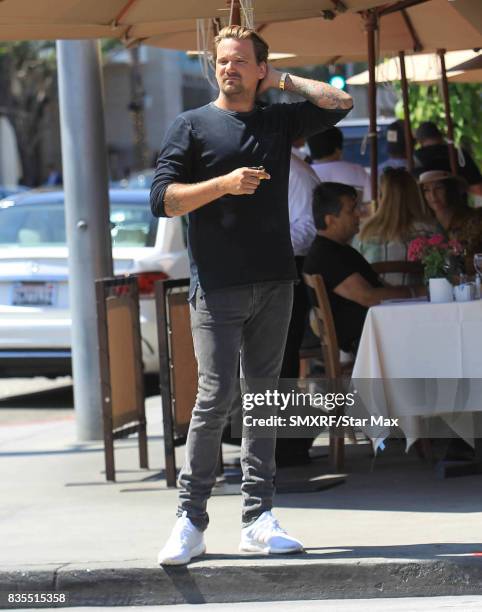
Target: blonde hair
{"x": 261, "y": 48}
{"x": 400, "y": 207}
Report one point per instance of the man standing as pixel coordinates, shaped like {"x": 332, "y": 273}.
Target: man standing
{"x": 226, "y": 164}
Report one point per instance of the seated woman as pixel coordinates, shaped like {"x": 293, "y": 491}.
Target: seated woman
{"x": 400, "y": 217}
{"x": 445, "y": 196}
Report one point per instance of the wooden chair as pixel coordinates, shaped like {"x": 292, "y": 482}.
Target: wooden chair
{"x": 334, "y": 369}
{"x": 306, "y": 356}
{"x": 413, "y": 268}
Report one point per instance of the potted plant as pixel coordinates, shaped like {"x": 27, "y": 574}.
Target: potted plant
{"x": 441, "y": 258}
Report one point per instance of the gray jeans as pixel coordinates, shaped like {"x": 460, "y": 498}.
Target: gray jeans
{"x": 251, "y": 322}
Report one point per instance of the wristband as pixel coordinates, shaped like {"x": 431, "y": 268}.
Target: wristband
{"x": 282, "y": 81}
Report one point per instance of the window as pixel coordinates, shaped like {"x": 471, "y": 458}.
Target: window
{"x": 42, "y": 224}
{"x": 132, "y": 225}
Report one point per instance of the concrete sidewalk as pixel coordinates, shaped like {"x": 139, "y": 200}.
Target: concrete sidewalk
{"x": 393, "y": 531}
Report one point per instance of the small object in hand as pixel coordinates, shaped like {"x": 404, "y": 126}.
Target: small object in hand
{"x": 260, "y": 168}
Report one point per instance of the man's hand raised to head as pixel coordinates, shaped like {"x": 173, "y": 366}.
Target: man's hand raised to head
{"x": 318, "y": 93}
{"x": 242, "y": 181}
{"x": 270, "y": 81}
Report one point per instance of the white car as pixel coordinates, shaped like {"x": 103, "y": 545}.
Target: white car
{"x": 34, "y": 300}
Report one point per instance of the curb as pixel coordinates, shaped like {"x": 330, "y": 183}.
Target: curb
{"x": 216, "y": 581}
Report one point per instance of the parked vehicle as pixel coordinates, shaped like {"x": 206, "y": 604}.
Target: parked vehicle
{"x": 356, "y": 148}
{"x": 141, "y": 179}
{"x": 8, "y": 190}
{"x": 34, "y": 301}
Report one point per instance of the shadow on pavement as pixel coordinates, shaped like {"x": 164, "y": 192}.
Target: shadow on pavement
{"x": 58, "y": 397}
{"x": 24, "y": 395}
{"x": 413, "y": 551}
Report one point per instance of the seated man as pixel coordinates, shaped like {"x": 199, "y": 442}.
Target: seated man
{"x": 351, "y": 283}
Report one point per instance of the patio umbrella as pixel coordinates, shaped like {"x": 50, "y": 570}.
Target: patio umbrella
{"x": 434, "y": 24}
{"x": 139, "y": 19}
{"x": 467, "y": 72}
{"x": 427, "y": 68}
{"x": 423, "y": 68}
{"x": 395, "y": 28}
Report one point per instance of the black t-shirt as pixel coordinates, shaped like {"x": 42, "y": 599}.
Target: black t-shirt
{"x": 336, "y": 262}
{"x": 436, "y": 157}
{"x": 238, "y": 240}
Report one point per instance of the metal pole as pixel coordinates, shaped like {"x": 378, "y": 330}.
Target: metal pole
{"x": 371, "y": 26}
{"x": 406, "y": 113}
{"x": 137, "y": 110}
{"x": 448, "y": 114}
{"x": 84, "y": 164}
{"x": 234, "y": 13}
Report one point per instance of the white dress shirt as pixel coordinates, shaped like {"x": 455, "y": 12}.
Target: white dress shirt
{"x": 344, "y": 172}
{"x": 300, "y": 200}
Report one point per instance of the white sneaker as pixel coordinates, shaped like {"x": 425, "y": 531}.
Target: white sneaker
{"x": 184, "y": 543}
{"x": 265, "y": 535}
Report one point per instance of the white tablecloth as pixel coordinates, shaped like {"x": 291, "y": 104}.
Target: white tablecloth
{"x": 417, "y": 360}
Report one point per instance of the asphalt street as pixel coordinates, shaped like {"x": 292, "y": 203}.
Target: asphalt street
{"x": 404, "y": 604}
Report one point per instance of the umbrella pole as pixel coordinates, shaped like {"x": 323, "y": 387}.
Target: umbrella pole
{"x": 234, "y": 13}
{"x": 448, "y": 114}
{"x": 371, "y": 26}
{"x": 406, "y": 113}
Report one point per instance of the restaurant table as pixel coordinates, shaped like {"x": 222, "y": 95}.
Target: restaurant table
{"x": 421, "y": 363}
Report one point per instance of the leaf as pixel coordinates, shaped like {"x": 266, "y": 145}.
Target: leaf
{"x": 426, "y": 104}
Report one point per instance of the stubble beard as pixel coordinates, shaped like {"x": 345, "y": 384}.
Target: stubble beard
{"x": 231, "y": 90}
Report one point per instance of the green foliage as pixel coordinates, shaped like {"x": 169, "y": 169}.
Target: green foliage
{"x": 109, "y": 44}
{"x": 28, "y": 85}
{"x": 26, "y": 48}
{"x": 433, "y": 263}
{"x": 426, "y": 104}
{"x": 24, "y": 56}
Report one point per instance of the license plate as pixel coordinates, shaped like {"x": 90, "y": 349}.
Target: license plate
{"x": 34, "y": 294}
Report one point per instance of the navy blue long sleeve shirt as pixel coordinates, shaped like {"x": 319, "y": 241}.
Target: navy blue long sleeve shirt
{"x": 237, "y": 240}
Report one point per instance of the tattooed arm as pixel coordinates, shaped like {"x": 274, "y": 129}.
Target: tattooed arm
{"x": 318, "y": 93}
{"x": 180, "y": 199}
